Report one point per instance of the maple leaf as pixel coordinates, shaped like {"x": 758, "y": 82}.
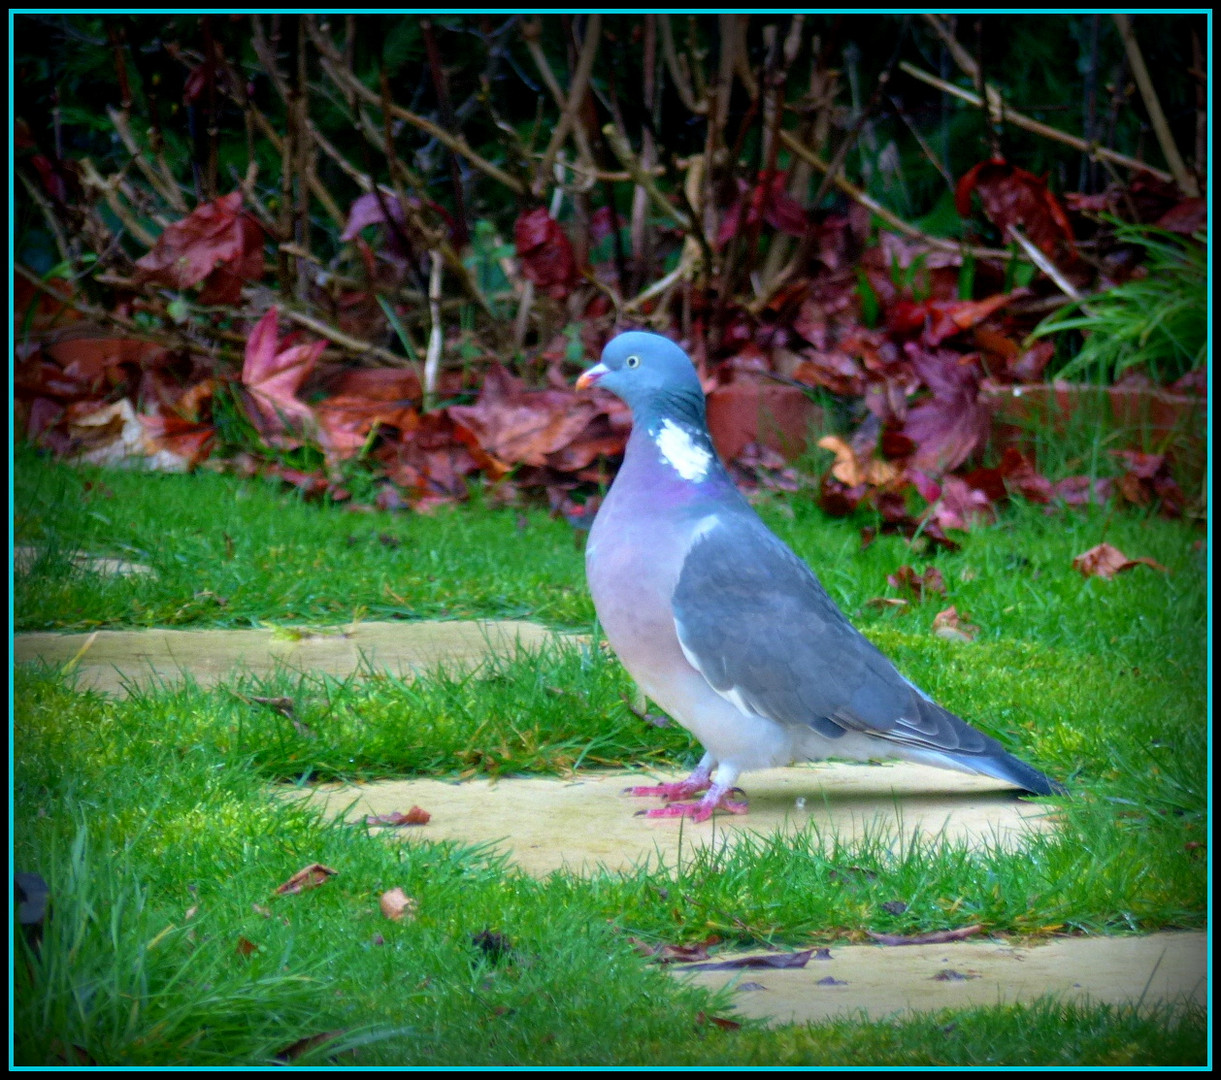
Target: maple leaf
{"x": 951, "y": 425}
{"x": 273, "y": 376}
{"x": 364, "y": 398}
{"x": 520, "y": 426}
{"x": 213, "y": 234}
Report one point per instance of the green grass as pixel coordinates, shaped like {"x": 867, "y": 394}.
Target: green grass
{"x": 1157, "y": 320}
{"x": 150, "y": 819}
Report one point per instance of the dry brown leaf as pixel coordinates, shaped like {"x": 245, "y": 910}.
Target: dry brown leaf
{"x": 884, "y": 602}
{"x": 850, "y": 470}
{"x": 720, "y": 1021}
{"x": 309, "y": 877}
{"x": 301, "y": 1046}
{"x": 950, "y": 625}
{"x": 397, "y": 905}
{"x": 1105, "y": 561}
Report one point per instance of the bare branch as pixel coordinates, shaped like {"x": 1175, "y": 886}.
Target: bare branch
{"x": 1019, "y": 120}
{"x": 332, "y": 64}
{"x": 891, "y": 219}
{"x": 1186, "y": 182}
{"x": 576, "y": 99}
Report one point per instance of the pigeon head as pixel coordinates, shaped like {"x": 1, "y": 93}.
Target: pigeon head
{"x": 652, "y": 375}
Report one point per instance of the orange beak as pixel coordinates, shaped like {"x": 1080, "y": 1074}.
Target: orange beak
{"x": 590, "y": 377}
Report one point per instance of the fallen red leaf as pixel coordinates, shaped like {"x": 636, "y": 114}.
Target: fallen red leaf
{"x": 951, "y": 626}
{"x": 960, "y": 505}
{"x": 520, "y": 426}
{"x": 947, "y": 318}
{"x": 432, "y": 461}
{"x": 273, "y": 376}
{"x": 184, "y": 440}
{"x": 214, "y": 233}
{"x": 954, "y": 423}
{"x": 414, "y": 816}
{"x": 1105, "y": 561}
{"x": 1081, "y": 490}
{"x": 1011, "y": 196}
{"x": 767, "y": 201}
{"x": 905, "y": 579}
{"x": 364, "y": 398}
{"x": 836, "y": 370}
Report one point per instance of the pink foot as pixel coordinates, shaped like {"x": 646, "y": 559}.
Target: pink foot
{"x": 716, "y": 799}
{"x": 682, "y": 789}
{"x": 698, "y": 781}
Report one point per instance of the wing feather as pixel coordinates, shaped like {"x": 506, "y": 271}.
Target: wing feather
{"x": 757, "y": 623}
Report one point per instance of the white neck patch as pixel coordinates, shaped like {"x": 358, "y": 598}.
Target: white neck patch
{"x": 680, "y": 451}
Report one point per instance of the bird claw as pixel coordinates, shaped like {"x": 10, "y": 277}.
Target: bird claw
{"x": 682, "y": 789}
{"x": 697, "y": 811}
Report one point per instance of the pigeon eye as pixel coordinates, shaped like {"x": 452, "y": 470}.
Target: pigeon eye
{"x": 633, "y": 361}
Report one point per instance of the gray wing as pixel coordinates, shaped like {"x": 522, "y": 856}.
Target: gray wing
{"x": 760, "y": 627}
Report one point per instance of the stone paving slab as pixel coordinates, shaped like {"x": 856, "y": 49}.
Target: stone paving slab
{"x": 110, "y": 659}
{"x": 883, "y": 980}
{"x": 588, "y": 822}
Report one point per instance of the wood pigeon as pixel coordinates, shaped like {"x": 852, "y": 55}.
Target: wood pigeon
{"x": 725, "y": 628}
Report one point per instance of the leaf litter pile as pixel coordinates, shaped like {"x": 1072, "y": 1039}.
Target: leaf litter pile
{"x": 918, "y": 382}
